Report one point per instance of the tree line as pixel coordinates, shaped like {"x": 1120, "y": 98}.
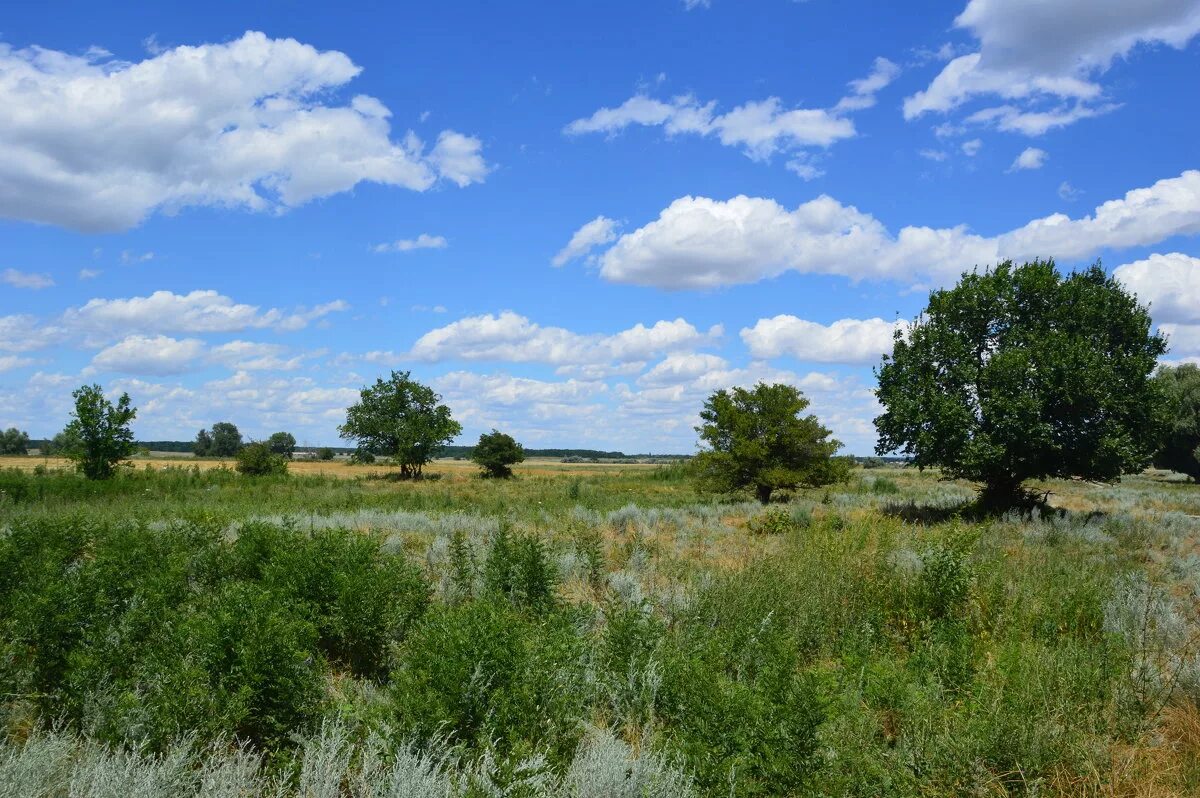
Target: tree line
{"x": 1014, "y": 374}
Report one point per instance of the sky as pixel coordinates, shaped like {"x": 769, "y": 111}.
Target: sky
{"x": 575, "y": 220}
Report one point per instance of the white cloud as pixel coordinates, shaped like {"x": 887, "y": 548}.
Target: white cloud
{"x": 933, "y": 155}
{"x": 514, "y": 338}
{"x": 1184, "y": 339}
{"x": 10, "y": 362}
{"x": 597, "y": 232}
{"x": 843, "y": 341}
{"x": 158, "y": 355}
{"x": 1068, "y": 192}
{"x": 1046, "y": 56}
{"x": 863, "y": 91}
{"x": 89, "y": 274}
{"x": 682, "y": 367}
{"x": 760, "y": 128}
{"x": 255, "y": 356}
{"x": 1169, "y": 283}
{"x": 423, "y": 241}
{"x": 96, "y": 144}
{"x": 128, "y": 257}
{"x": 29, "y": 280}
{"x": 698, "y": 242}
{"x": 691, "y": 5}
{"x": 1030, "y": 158}
{"x": 971, "y": 148}
{"x": 195, "y": 312}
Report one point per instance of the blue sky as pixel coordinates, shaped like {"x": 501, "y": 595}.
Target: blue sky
{"x": 575, "y": 220}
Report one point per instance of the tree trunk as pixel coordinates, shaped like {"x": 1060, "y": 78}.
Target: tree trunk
{"x": 763, "y": 492}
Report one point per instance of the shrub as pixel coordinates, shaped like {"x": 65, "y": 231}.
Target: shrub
{"x": 100, "y": 432}
{"x": 496, "y": 453}
{"x": 772, "y": 521}
{"x": 484, "y": 672}
{"x": 257, "y": 460}
{"x": 326, "y": 453}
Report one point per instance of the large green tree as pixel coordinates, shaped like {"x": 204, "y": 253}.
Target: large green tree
{"x": 226, "y": 439}
{"x": 402, "y": 419}
{"x": 1180, "y": 449}
{"x": 99, "y": 432}
{"x": 283, "y": 443}
{"x": 758, "y": 440}
{"x": 14, "y": 441}
{"x": 1020, "y": 373}
{"x": 204, "y": 444}
{"x": 496, "y": 453}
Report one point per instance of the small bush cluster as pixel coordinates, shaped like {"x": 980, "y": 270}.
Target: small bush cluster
{"x": 258, "y": 460}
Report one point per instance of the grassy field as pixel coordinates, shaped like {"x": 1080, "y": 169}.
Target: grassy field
{"x": 590, "y": 630}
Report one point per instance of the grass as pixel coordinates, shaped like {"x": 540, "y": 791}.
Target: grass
{"x": 591, "y": 631}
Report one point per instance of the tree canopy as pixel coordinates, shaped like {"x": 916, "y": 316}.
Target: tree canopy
{"x": 758, "y": 440}
{"x": 402, "y": 419}
{"x": 14, "y": 441}
{"x": 1180, "y": 449}
{"x": 99, "y": 432}
{"x": 496, "y": 453}
{"x": 1019, "y": 373}
{"x": 283, "y": 443}
{"x": 226, "y": 439}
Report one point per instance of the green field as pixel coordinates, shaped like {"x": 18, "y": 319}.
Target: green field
{"x": 591, "y": 632}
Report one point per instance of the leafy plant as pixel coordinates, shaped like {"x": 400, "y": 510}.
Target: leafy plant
{"x": 1019, "y": 373}
{"x": 100, "y": 432}
{"x": 758, "y": 440}
{"x": 496, "y": 453}
{"x": 258, "y": 460}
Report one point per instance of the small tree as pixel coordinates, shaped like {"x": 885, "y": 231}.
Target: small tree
{"x": 203, "y": 446}
{"x": 400, "y": 418}
{"x": 99, "y": 432}
{"x": 1018, "y": 374}
{"x": 758, "y": 440}
{"x": 14, "y": 441}
{"x": 283, "y": 443}
{"x": 226, "y": 440}
{"x": 61, "y": 445}
{"x": 496, "y": 453}
{"x": 258, "y": 460}
{"x": 325, "y": 453}
{"x": 1181, "y": 445}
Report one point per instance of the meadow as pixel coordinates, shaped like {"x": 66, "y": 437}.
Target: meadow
{"x": 590, "y": 631}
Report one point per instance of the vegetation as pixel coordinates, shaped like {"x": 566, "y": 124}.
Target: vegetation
{"x": 758, "y": 440}
{"x": 1020, "y": 373}
{"x": 14, "y": 441}
{"x": 1181, "y": 445}
{"x": 283, "y": 443}
{"x": 402, "y": 419}
{"x": 259, "y": 459}
{"x": 326, "y": 453}
{"x": 98, "y": 435}
{"x": 496, "y": 453}
{"x": 545, "y": 636}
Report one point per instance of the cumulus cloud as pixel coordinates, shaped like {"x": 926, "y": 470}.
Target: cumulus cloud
{"x": 863, "y": 91}
{"x": 10, "y": 362}
{"x": 597, "y": 232}
{"x": 971, "y": 148}
{"x": 194, "y": 312}
{"x": 423, "y": 241}
{"x": 1044, "y": 58}
{"x": 1169, "y": 283}
{"x": 698, "y": 242}
{"x": 256, "y": 356}
{"x": 96, "y": 144}
{"x": 19, "y": 279}
{"x": 843, "y": 341}
{"x": 1030, "y": 158}
{"x": 514, "y": 338}
{"x": 141, "y": 354}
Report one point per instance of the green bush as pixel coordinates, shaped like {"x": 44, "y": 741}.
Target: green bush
{"x": 257, "y": 460}
{"x": 484, "y": 672}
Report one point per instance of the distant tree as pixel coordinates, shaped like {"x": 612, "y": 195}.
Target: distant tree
{"x": 401, "y": 418}
{"x": 257, "y": 459}
{"x": 203, "y": 447}
{"x": 60, "y": 445}
{"x": 283, "y": 443}
{"x": 226, "y": 440}
{"x": 99, "y": 431}
{"x": 1019, "y": 373}
{"x": 14, "y": 441}
{"x": 325, "y": 453}
{"x": 496, "y": 453}
{"x": 758, "y": 440}
{"x": 1181, "y": 444}
{"x": 361, "y": 457}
